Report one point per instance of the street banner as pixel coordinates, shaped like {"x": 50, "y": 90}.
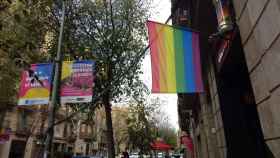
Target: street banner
{"x": 175, "y": 58}
{"x": 35, "y": 85}
{"x": 76, "y": 81}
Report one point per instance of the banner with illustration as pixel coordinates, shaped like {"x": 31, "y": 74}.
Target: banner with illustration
{"x": 76, "y": 81}
{"x": 35, "y": 85}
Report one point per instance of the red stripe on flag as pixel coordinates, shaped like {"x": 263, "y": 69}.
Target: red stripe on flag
{"x": 154, "y": 57}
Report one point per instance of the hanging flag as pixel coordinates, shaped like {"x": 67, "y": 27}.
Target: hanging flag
{"x": 175, "y": 56}
{"x": 35, "y": 85}
{"x": 76, "y": 81}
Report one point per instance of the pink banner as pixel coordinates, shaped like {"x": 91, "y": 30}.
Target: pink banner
{"x": 76, "y": 81}
{"x": 35, "y": 85}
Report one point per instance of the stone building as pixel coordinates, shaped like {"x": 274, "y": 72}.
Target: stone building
{"x": 119, "y": 118}
{"x": 26, "y": 134}
{"x": 74, "y": 137}
{"x": 237, "y": 115}
{"x": 100, "y": 130}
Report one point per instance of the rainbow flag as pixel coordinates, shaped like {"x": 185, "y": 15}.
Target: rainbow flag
{"x": 175, "y": 56}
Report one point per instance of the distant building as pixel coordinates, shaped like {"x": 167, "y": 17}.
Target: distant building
{"x": 73, "y": 137}
{"x": 238, "y": 115}
{"x": 100, "y": 132}
{"x": 119, "y": 118}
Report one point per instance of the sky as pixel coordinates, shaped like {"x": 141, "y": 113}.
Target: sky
{"x": 160, "y": 12}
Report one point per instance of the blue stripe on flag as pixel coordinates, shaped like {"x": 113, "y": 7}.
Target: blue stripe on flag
{"x": 188, "y": 61}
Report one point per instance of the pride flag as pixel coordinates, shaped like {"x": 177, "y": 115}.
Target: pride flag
{"x": 175, "y": 56}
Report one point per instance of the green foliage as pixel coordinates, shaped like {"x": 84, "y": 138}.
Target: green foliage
{"x": 113, "y": 34}
{"x": 147, "y": 122}
{"x": 168, "y": 134}
{"x": 23, "y": 26}
{"x": 140, "y": 127}
{"x": 165, "y": 130}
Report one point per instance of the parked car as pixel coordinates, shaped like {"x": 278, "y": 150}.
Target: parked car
{"x": 177, "y": 156}
{"x": 134, "y": 155}
{"x": 160, "y": 155}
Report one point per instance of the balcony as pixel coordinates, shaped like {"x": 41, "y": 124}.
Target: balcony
{"x": 86, "y": 132}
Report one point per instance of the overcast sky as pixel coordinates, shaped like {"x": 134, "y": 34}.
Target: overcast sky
{"x": 160, "y": 12}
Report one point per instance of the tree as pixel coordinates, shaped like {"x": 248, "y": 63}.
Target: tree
{"x": 23, "y": 28}
{"x": 112, "y": 33}
{"x": 22, "y": 34}
{"x": 147, "y": 122}
{"x": 165, "y": 130}
{"x": 119, "y": 117}
{"x": 167, "y": 133}
{"x": 141, "y": 131}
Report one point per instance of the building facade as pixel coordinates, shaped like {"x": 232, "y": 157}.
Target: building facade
{"x": 77, "y": 136}
{"x": 26, "y": 129}
{"x": 237, "y": 114}
{"x": 119, "y": 118}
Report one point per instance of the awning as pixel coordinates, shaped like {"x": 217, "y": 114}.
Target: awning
{"x": 160, "y": 145}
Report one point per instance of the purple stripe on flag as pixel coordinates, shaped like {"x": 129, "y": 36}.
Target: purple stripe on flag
{"x": 197, "y": 64}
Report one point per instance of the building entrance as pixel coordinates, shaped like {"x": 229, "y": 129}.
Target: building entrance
{"x": 17, "y": 149}
{"x": 242, "y": 127}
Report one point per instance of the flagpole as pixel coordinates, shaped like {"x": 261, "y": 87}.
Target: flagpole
{"x": 55, "y": 96}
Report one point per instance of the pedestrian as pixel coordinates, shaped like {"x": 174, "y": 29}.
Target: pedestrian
{"x": 125, "y": 154}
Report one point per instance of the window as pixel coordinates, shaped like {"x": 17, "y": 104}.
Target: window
{"x": 22, "y": 121}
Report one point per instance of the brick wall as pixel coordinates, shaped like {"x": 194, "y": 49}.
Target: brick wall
{"x": 259, "y": 24}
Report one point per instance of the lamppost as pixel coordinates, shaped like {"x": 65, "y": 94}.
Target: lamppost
{"x": 54, "y": 97}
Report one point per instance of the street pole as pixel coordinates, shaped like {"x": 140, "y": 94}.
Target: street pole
{"x": 54, "y": 97}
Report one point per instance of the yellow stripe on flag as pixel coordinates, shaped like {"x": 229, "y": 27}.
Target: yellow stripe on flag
{"x": 170, "y": 59}
{"x": 162, "y": 59}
